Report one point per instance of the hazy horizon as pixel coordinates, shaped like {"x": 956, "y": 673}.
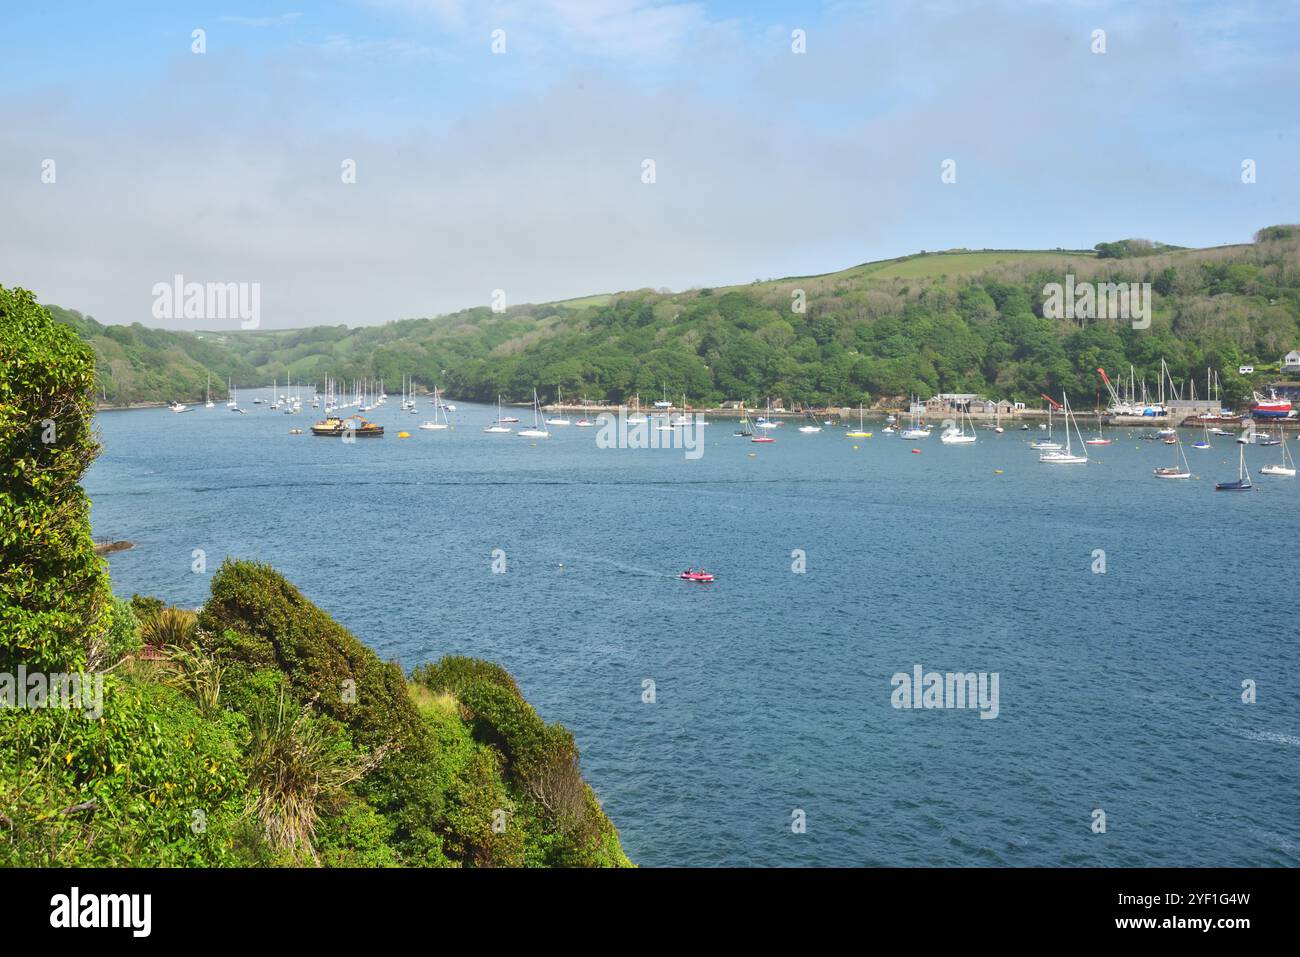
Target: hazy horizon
{"x": 523, "y": 170}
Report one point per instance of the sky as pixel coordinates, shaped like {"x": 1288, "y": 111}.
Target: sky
{"x": 127, "y": 158}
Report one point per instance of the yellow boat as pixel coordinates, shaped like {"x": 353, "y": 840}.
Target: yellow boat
{"x": 353, "y": 426}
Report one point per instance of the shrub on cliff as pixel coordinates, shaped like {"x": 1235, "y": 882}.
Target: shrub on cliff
{"x": 257, "y": 620}
{"x": 260, "y": 627}
{"x": 55, "y": 604}
{"x": 558, "y": 812}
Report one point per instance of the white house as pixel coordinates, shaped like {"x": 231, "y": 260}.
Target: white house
{"x": 1291, "y": 361}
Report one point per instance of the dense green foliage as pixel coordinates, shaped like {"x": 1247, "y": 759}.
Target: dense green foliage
{"x": 55, "y": 606}
{"x": 258, "y": 732}
{"x": 445, "y": 771}
{"x": 913, "y": 327}
{"x": 1129, "y": 248}
{"x": 137, "y": 364}
{"x": 957, "y": 321}
{"x": 305, "y": 749}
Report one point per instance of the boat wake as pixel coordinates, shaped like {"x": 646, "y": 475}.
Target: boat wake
{"x": 631, "y": 569}
{"x": 1274, "y": 737}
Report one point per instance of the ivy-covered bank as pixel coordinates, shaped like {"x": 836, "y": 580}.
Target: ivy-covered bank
{"x": 256, "y": 732}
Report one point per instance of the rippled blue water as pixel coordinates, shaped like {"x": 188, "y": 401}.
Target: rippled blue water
{"x": 1119, "y": 691}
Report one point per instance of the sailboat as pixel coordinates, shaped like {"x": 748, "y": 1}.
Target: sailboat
{"x": 636, "y": 418}
{"x": 209, "y": 403}
{"x": 230, "y": 390}
{"x": 1287, "y": 467}
{"x": 860, "y": 432}
{"x": 916, "y": 430}
{"x": 959, "y": 436}
{"x": 497, "y": 426}
{"x": 559, "y": 401}
{"x": 765, "y": 421}
{"x": 746, "y": 427}
{"x": 1101, "y": 437}
{"x": 535, "y": 431}
{"x": 754, "y": 437}
{"x": 1179, "y": 470}
{"x": 1066, "y": 456}
{"x": 1050, "y": 445}
{"x": 435, "y": 425}
{"x": 1204, "y": 443}
{"x": 810, "y": 425}
{"x": 1243, "y": 477}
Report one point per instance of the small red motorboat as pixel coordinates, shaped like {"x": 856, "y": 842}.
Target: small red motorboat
{"x": 691, "y": 575}
{"x": 762, "y": 438}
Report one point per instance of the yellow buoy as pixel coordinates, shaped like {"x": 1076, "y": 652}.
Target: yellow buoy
{"x": 997, "y": 471}
{"x": 403, "y": 435}
{"x": 855, "y": 448}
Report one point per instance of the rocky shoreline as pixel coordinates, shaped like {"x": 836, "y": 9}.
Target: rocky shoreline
{"x": 107, "y": 548}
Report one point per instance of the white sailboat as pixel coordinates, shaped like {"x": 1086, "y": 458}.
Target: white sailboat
{"x": 435, "y": 425}
{"x": 535, "y": 431}
{"x": 496, "y": 426}
{"x": 1066, "y": 456}
{"x": 1287, "y": 468}
{"x": 230, "y": 390}
{"x": 1180, "y": 469}
{"x": 559, "y": 401}
{"x": 916, "y": 430}
{"x": 959, "y": 435}
{"x": 1101, "y": 437}
{"x": 209, "y": 404}
{"x": 861, "y": 431}
{"x": 636, "y": 418}
{"x": 1050, "y": 445}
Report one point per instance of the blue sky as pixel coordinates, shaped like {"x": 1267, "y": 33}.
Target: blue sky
{"x": 522, "y": 171}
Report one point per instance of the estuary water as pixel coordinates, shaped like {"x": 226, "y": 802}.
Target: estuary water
{"x": 1121, "y": 615}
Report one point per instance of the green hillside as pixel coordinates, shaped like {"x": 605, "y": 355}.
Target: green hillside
{"x": 951, "y": 321}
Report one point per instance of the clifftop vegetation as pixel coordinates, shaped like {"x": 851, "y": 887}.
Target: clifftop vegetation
{"x": 256, "y": 732}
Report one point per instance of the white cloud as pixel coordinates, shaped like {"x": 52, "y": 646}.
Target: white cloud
{"x": 266, "y": 21}
{"x": 768, "y": 164}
